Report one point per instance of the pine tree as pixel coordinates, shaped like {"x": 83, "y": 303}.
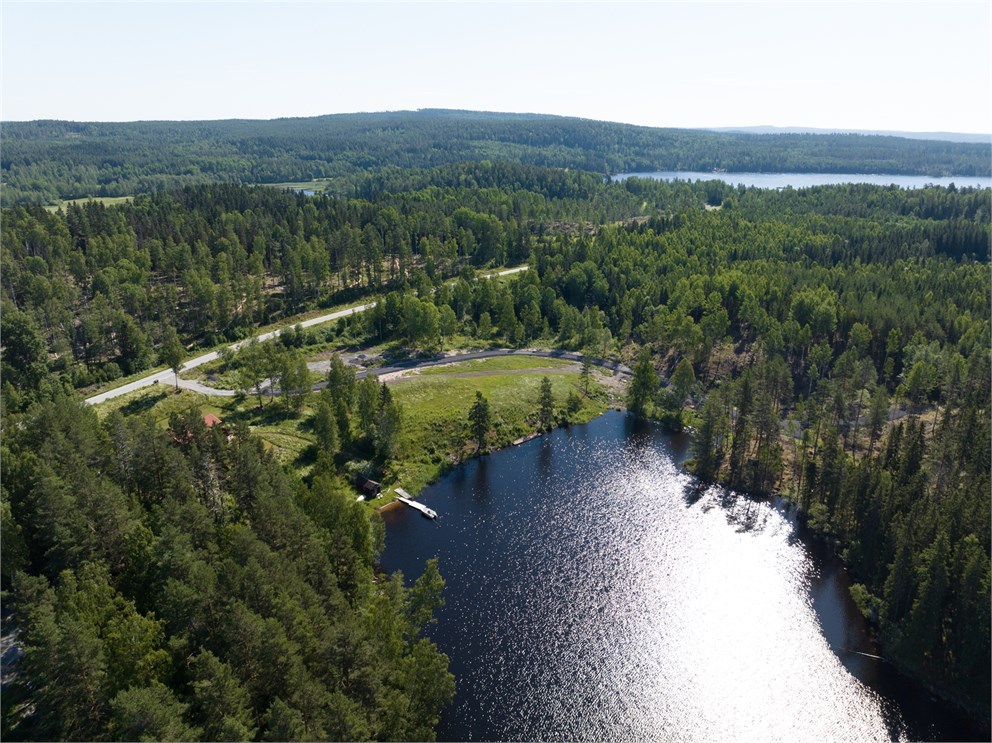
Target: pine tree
{"x": 294, "y": 380}
{"x": 480, "y": 418}
{"x": 740, "y": 436}
{"x": 368, "y": 400}
{"x": 173, "y": 352}
{"x": 573, "y": 405}
{"x": 324, "y": 424}
{"x": 585, "y": 374}
{"x": 707, "y": 444}
{"x": 251, "y": 369}
{"x": 924, "y": 628}
{"x": 681, "y": 384}
{"x": 643, "y": 385}
{"x": 546, "y": 405}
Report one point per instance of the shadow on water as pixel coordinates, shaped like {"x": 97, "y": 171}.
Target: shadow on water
{"x": 642, "y": 433}
{"x": 545, "y": 462}
{"x": 923, "y": 717}
{"x": 480, "y": 491}
{"x": 694, "y": 492}
{"x": 639, "y": 433}
{"x": 849, "y": 635}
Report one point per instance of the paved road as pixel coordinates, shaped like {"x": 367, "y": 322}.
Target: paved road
{"x": 617, "y": 368}
{"x": 167, "y": 377}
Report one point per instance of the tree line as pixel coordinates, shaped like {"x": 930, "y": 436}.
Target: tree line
{"x": 101, "y": 286}
{"x": 181, "y": 584}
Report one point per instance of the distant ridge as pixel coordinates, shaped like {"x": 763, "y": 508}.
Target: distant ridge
{"x": 45, "y": 161}
{"x": 970, "y": 138}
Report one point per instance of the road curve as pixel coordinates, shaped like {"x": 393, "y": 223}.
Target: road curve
{"x": 618, "y": 369}
{"x": 167, "y": 377}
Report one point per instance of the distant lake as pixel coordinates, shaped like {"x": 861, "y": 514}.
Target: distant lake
{"x": 595, "y": 592}
{"x": 804, "y": 180}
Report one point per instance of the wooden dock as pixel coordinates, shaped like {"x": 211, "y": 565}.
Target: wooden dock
{"x": 404, "y": 496}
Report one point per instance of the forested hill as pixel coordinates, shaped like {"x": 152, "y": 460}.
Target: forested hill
{"x": 830, "y": 344}
{"x": 46, "y": 160}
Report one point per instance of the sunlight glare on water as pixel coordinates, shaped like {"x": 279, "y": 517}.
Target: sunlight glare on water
{"x": 593, "y": 594}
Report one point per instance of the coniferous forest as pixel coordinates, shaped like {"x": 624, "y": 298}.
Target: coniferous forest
{"x": 180, "y": 582}
{"x": 43, "y": 161}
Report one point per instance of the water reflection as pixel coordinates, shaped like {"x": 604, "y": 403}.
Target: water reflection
{"x": 595, "y": 592}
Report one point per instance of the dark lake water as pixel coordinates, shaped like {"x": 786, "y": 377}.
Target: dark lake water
{"x": 594, "y": 593}
{"x": 804, "y": 180}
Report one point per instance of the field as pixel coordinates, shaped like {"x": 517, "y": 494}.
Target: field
{"x": 318, "y": 186}
{"x": 436, "y": 429}
{"x": 105, "y": 200}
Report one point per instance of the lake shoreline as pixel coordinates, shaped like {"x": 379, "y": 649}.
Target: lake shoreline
{"x": 979, "y": 717}
{"x": 796, "y": 180}
{"x": 850, "y": 655}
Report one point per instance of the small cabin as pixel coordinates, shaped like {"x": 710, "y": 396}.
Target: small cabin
{"x": 210, "y": 420}
{"x": 185, "y": 433}
{"x": 370, "y": 488}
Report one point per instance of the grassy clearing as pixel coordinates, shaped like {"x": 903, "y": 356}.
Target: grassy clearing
{"x": 223, "y": 374}
{"x": 291, "y": 322}
{"x": 317, "y": 186}
{"x": 225, "y": 377}
{"x": 291, "y": 445}
{"x": 217, "y": 366}
{"x": 286, "y": 433}
{"x": 319, "y": 346}
{"x": 435, "y": 434}
{"x": 497, "y": 363}
{"x": 161, "y": 400}
{"x": 105, "y": 200}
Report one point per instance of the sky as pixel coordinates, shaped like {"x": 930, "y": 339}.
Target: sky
{"x": 907, "y": 66}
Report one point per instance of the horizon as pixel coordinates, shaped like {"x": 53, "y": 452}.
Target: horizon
{"x": 883, "y": 66}
{"x": 722, "y": 129}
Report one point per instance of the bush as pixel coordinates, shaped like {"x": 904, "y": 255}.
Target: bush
{"x": 111, "y": 371}
{"x": 867, "y": 604}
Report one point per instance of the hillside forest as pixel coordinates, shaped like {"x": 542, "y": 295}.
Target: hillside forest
{"x": 44, "y": 161}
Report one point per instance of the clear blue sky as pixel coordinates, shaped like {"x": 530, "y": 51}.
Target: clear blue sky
{"x": 913, "y": 66}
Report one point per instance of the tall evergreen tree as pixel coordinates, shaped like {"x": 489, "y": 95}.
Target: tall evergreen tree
{"x": 545, "y": 405}
{"x": 643, "y": 385}
{"x": 173, "y": 352}
{"x": 480, "y": 418}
